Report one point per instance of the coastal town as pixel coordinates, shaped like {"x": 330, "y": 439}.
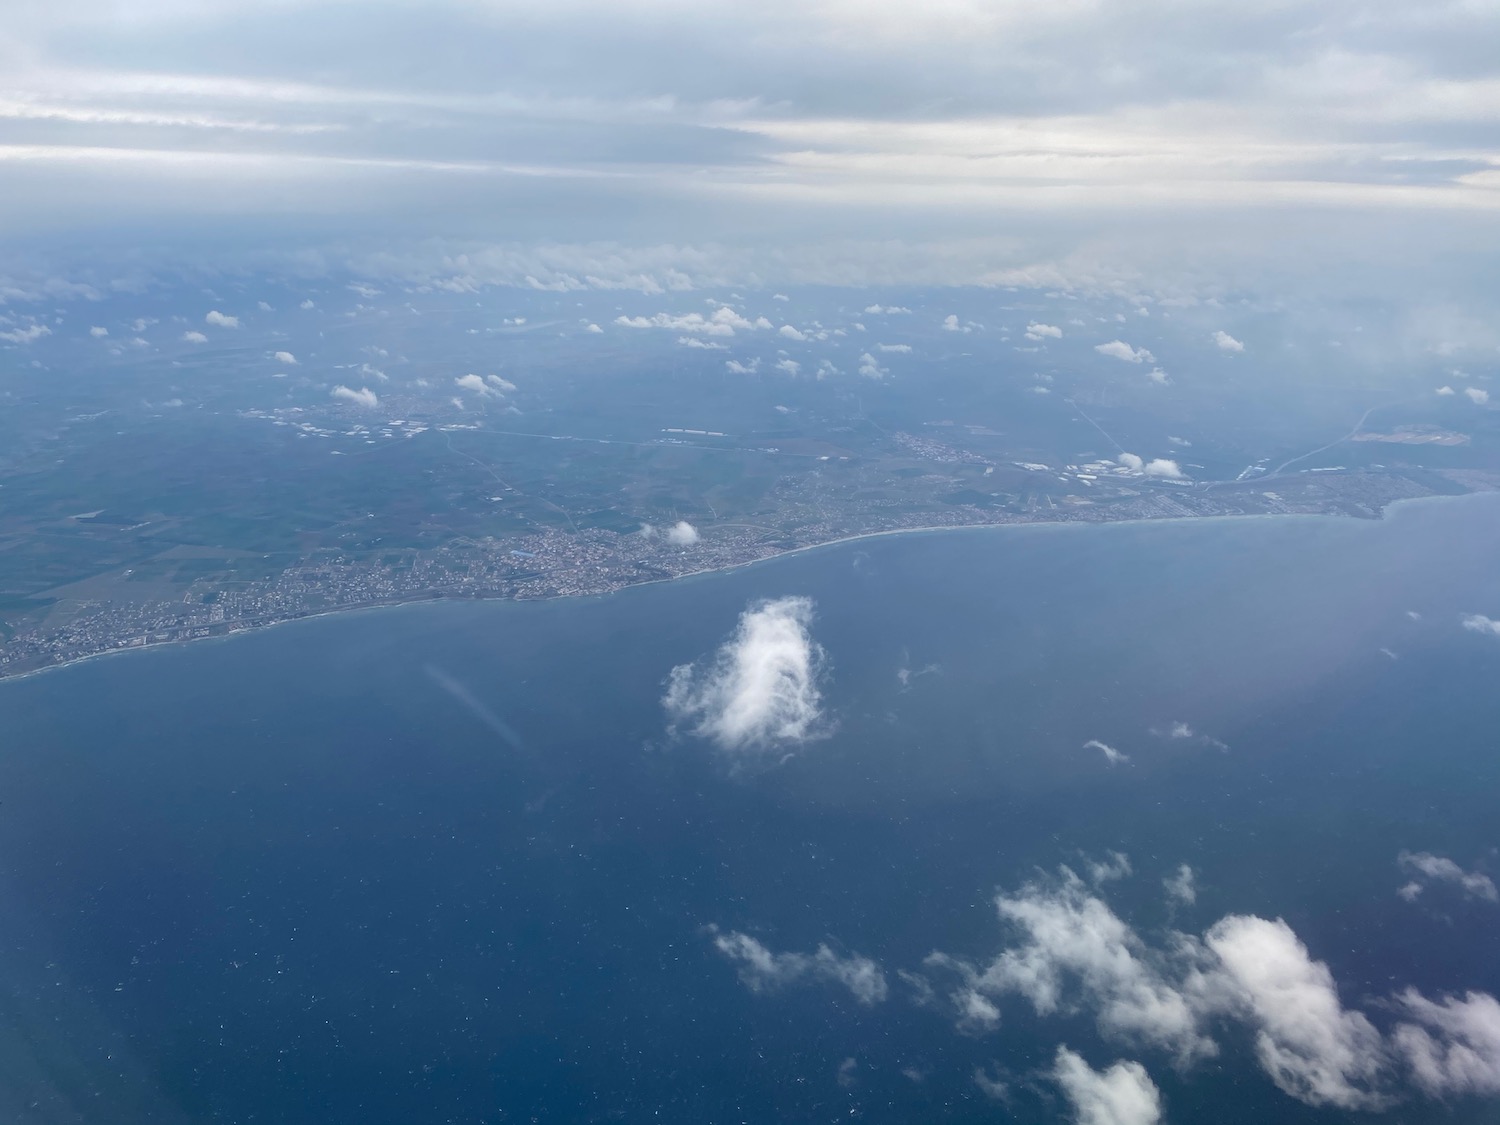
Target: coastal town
{"x": 557, "y": 562}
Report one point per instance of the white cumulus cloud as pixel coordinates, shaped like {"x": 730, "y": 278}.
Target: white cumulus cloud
{"x": 870, "y": 368}
{"x": 221, "y": 320}
{"x": 474, "y": 383}
{"x": 1453, "y": 1047}
{"x": 98, "y": 332}
{"x": 194, "y": 338}
{"x": 1038, "y": 331}
{"x": 1479, "y": 623}
{"x": 761, "y": 690}
{"x": 1477, "y": 396}
{"x": 1312, "y": 1047}
{"x": 682, "y": 534}
{"x": 1119, "y": 349}
{"x": 285, "y": 358}
{"x": 1227, "y": 343}
{"x": 28, "y": 335}
{"x": 362, "y": 397}
{"x": 723, "y": 321}
{"x": 1123, "y": 1094}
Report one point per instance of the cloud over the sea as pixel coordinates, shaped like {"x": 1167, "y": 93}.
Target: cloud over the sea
{"x": 1121, "y": 1095}
{"x": 761, "y": 970}
{"x": 1071, "y": 954}
{"x": 761, "y": 691}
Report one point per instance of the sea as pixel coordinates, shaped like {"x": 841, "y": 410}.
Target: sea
{"x": 451, "y": 863}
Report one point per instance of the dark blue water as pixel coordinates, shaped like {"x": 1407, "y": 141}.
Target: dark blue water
{"x": 289, "y": 877}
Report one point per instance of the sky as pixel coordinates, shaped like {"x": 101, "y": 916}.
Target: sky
{"x": 1168, "y": 146}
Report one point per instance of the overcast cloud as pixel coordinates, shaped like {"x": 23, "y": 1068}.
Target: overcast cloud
{"x": 866, "y": 142}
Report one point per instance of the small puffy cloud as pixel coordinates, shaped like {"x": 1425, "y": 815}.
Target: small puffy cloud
{"x": 98, "y": 332}
{"x": 1476, "y": 395}
{"x": 761, "y": 690}
{"x": 1182, "y": 887}
{"x": 1121, "y": 1095}
{"x": 1119, "y": 349}
{"x": 1479, "y": 623}
{"x": 264, "y": 306}
{"x": 790, "y": 333}
{"x": 682, "y": 534}
{"x": 1161, "y": 467}
{"x": 739, "y": 368}
{"x": 477, "y": 384}
{"x": 951, "y": 324}
{"x": 362, "y": 397}
{"x": 1131, "y": 461}
{"x": 1111, "y": 755}
{"x": 504, "y": 386}
{"x": 1445, "y": 391}
{"x": 1038, "y": 331}
{"x": 900, "y": 349}
{"x": 1439, "y": 869}
{"x": 1227, "y": 343}
{"x": 870, "y": 368}
{"x": 306, "y": 304}
{"x": 221, "y": 320}
{"x": 762, "y": 971}
{"x": 286, "y": 359}
{"x": 723, "y": 321}
{"x": 594, "y": 329}
{"x": 194, "y": 338}
{"x": 1157, "y": 375}
{"x": 789, "y": 366}
{"x": 780, "y": 297}
{"x": 886, "y": 310}
{"x": 706, "y": 345}
{"x": 28, "y": 335}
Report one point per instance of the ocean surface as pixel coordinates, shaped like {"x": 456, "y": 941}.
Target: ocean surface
{"x": 446, "y": 862}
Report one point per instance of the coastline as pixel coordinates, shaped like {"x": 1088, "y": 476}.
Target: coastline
{"x": 1040, "y": 525}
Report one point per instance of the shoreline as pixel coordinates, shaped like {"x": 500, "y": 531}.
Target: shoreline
{"x": 1053, "y": 525}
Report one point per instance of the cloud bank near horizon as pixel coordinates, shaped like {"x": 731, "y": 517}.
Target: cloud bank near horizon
{"x": 1067, "y": 144}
